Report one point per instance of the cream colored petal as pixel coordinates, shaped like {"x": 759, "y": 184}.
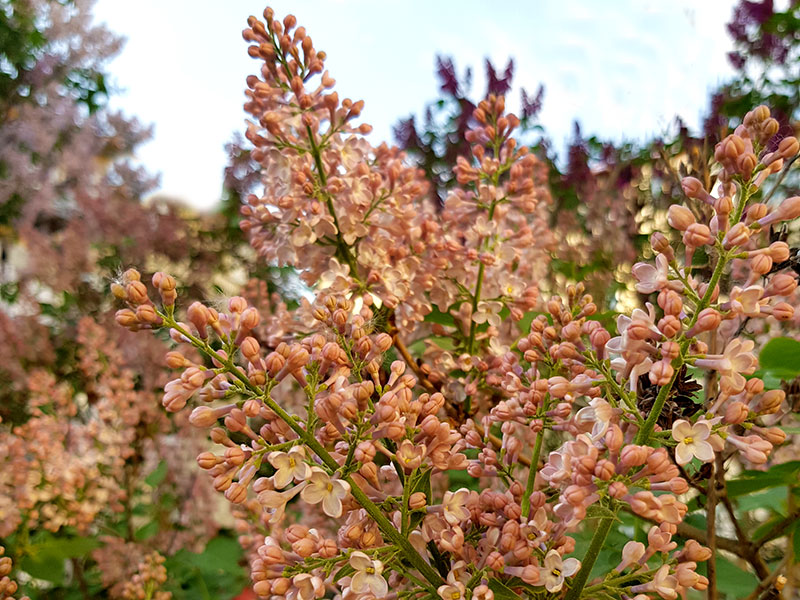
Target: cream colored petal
{"x": 683, "y": 453}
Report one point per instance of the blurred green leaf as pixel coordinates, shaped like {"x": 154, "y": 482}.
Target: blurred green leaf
{"x": 773, "y": 499}
{"x": 145, "y": 532}
{"x": 45, "y": 559}
{"x": 753, "y": 481}
{"x": 734, "y": 580}
{"x": 780, "y": 358}
{"x": 157, "y": 475}
{"x": 437, "y": 316}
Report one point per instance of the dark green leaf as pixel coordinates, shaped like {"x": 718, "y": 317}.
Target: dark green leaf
{"x": 344, "y": 572}
{"x": 502, "y": 591}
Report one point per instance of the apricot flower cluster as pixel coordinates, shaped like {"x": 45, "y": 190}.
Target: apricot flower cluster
{"x": 336, "y": 428}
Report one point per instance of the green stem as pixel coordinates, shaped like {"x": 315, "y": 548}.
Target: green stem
{"x": 532, "y": 470}
{"x": 599, "y": 538}
{"x": 308, "y": 438}
{"x": 343, "y": 248}
{"x": 476, "y": 297}
{"x": 373, "y": 511}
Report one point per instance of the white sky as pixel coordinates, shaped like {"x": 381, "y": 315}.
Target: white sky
{"x": 622, "y": 68}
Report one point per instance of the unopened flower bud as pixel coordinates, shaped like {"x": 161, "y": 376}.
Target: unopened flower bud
{"x": 697, "y": 235}
{"x": 126, "y": 318}
{"x": 783, "y": 311}
{"x": 136, "y": 292}
{"x": 632, "y": 456}
{"x": 738, "y": 235}
{"x": 774, "y": 435}
{"x": 203, "y": 416}
{"x": 679, "y": 217}
{"x": 770, "y": 402}
{"x": 670, "y": 326}
{"x": 660, "y": 244}
{"x": 417, "y": 500}
{"x": 735, "y": 413}
{"x": 250, "y": 348}
{"x": 781, "y": 284}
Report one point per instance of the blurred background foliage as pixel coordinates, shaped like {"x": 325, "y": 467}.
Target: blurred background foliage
{"x": 75, "y": 209}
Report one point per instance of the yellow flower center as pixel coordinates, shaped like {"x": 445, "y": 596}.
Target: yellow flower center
{"x": 557, "y": 572}
{"x": 330, "y": 487}
{"x": 688, "y": 440}
{"x": 292, "y": 463}
{"x": 369, "y": 570}
{"x": 455, "y": 595}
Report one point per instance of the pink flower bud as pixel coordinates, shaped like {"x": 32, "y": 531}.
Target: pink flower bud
{"x": 761, "y": 264}
{"x": 660, "y": 244}
{"x": 671, "y": 302}
{"x": 694, "y": 551}
{"x": 126, "y": 318}
{"x": 614, "y": 438}
{"x": 632, "y": 456}
{"x": 746, "y": 163}
{"x": 661, "y": 373}
{"x": 781, "y": 284}
{"x": 723, "y": 206}
{"x": 670, "y": 326}
{"x": 697, "y": 235}
{"x": 783, "y": 311}
{"x": 617, "y": 490}
{"x": 604, "y": 470}
{"x": 678, "y": 485}
{"x": 770, "y": 402}
{"x": 738, "y": 235}
{"x": 250, "y": 348}
{"x": 788, "y": 147}
{"x": 679, "y": 217}
{"x": 736, "y": 412}
{"x": 693, "y": 188}
{"x": 729, "y": 148}
{"x": 203, "y": 416}
{"x": 774, "y": 435}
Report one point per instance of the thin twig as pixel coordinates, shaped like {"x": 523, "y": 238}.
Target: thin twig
{"x": 766, "y": 583}
{"x": 785, "y": 170}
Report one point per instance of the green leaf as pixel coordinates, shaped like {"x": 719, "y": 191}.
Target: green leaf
{"x": 145, "y": 532}
{"x": 45, "y": 559}
{"x": 796, "y": 540}
{"x": 597, "y": 511}
{"x": 502, "y": 591}
{"x": 462, "y": 479}
{"x": 344, "y": 572}
{"x": 437, "y": 316}
{"x": 753, "y": 481}
{"x": 734, "y": 580}
{"x": 157, "y": 475}
{"x": 773, "y": 499}
{"x": 780, "y": 357}
{"x": 421, "y": 484}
